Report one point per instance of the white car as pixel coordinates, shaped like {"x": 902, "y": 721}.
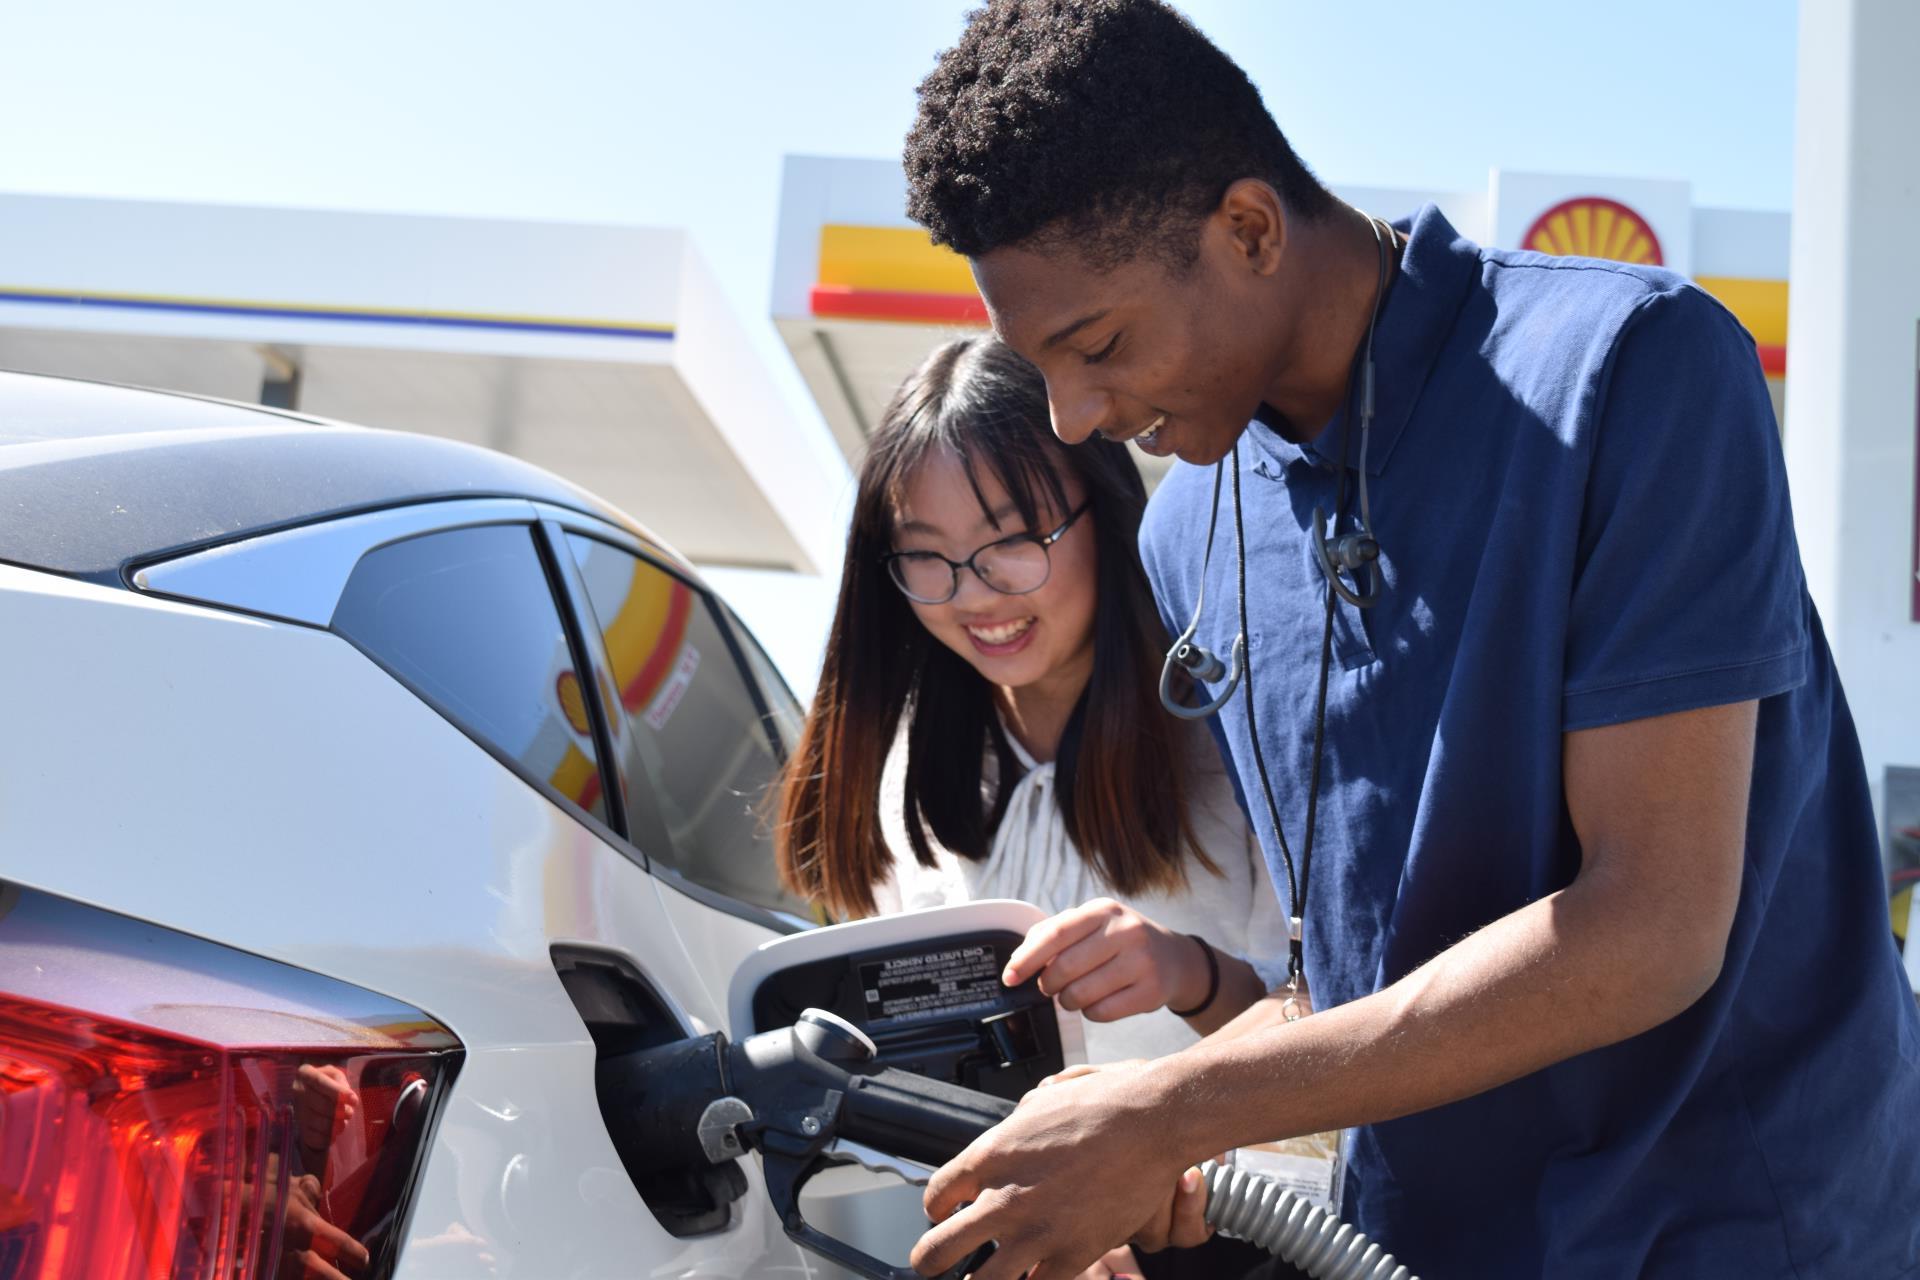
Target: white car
{"x": 359, "y": 793}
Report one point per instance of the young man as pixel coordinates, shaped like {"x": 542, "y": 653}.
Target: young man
{"x": 1594, "y": 925}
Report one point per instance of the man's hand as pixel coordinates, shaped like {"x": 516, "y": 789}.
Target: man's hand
{"x": 316, "y": 1249}
{"x": 1076, "y": 1170}
{"x": 323, "y": 1104}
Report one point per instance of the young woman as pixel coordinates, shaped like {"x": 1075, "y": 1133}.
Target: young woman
{"x": 988, "y": 722}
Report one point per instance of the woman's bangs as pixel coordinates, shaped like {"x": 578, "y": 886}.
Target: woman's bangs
{"x": 1004, "y": 446}
{"x": 987, "y": 444}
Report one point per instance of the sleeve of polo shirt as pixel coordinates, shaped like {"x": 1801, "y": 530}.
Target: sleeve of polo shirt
{"x": 1687, "y": 587}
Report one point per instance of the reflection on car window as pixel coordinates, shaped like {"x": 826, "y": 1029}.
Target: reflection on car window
{"x": 698, "y": 753}
{"x": 466, "y": 618}
{"x": 783, "y": 710}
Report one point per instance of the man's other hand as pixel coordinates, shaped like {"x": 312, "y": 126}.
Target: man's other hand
{"x": 1076, "y": 1170}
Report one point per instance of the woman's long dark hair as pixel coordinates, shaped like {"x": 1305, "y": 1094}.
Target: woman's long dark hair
{"x": 1120, "y": 780}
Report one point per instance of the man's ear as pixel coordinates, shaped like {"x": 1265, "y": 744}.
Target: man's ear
{"x": 1255, "y": 223}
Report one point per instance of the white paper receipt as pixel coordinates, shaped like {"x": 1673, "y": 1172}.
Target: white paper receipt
{"x": 1311, "y": 1166}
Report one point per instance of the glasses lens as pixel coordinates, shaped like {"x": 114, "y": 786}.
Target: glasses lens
{"x": 928, "y": 579}
{"x": 1015, "y": 567}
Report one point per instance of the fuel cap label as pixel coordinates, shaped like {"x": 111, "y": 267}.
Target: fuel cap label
{"x": 942, "y": 983}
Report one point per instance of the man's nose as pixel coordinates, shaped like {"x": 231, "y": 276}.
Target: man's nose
{"x": 1078, "y": 410}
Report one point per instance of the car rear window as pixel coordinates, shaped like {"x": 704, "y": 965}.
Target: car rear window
{"x": 466, "y": 619}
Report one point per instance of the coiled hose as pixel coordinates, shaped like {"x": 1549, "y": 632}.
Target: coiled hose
{"x": 1254, "y": 1208}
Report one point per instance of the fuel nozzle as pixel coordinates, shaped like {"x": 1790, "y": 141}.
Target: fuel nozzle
{"x": 797, "y": 1095}
{"x": 800, "y": 1094}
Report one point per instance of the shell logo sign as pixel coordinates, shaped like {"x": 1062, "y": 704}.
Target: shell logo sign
{"x": 1595, "y": 227}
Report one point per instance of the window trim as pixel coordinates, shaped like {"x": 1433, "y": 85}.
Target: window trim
{"x": 724, "y": 619}
{"x": 558, "y": 523}
{"x": 744, "y": 637}
{"x": 610, "y": 730}
{"x": 560, "y": 590}
{"x": 299, "y": 574}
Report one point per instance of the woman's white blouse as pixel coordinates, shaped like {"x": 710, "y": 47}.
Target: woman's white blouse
{"x": 1033, "y": 859}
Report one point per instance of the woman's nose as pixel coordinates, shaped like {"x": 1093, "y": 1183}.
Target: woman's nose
{"x": 970, "y": 592}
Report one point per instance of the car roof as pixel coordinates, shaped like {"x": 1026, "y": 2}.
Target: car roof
{"x": 95, "y": 477}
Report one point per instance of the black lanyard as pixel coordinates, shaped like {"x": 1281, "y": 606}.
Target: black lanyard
{"x": 1296, "y": 886}
{"x": 1360, "y": 378}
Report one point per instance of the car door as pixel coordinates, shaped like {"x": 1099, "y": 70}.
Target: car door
{"x": 700, "y": 730}
{"x": 645, "y": 721}
{"x": 699, "y": 726}
{"x": 471, "y": 606}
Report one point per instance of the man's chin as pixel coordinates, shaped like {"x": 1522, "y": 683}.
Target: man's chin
{"x": 1204, "y": 453}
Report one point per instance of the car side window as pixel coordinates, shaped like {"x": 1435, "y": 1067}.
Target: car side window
{"x": 700, "y": 753}
{"x": 466, "y": 618}
{"x": 784, "y": 711}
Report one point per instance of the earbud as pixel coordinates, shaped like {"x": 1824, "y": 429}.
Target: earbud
{"x": 1352, "y": 551}
{"x": 1200, "y": 664}
{"x": 1347, "y": 553}
{"x": 1205, "y": 669}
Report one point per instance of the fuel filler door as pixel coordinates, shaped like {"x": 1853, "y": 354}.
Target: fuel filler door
{"x": 924, "y": 987}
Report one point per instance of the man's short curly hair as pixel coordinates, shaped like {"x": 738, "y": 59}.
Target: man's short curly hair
{"x": 1112, "y": 122}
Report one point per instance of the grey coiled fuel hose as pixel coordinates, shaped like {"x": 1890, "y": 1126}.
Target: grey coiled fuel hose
{"x": 1252, "y": 1207}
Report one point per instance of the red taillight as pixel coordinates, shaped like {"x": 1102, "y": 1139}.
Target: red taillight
{"x": 152, "y": 1132}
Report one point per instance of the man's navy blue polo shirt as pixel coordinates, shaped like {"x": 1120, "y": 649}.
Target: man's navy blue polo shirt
{"x": 1582, "y": 505}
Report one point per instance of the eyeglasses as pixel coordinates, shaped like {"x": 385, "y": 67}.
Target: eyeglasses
{"x": 1012, "y": 566}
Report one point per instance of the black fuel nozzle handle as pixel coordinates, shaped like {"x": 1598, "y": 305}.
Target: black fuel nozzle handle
{"x": 785, "y": 1075}
{"x": 789, "y": 1094}
{"x": 816, "y": 1082}
{"x": 907, "y": 1115}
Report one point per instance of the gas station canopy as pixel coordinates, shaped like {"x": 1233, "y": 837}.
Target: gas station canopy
{"x": 860, "y": 294}
{"x": 606, "y": 354}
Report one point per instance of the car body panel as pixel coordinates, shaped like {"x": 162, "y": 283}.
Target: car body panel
{"x": 408, "y": 861}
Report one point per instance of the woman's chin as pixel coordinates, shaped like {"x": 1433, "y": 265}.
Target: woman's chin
{"x": 1020, "y": 665}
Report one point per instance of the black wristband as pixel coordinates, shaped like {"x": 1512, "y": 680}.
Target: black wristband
{"x": 1213, "y": 981}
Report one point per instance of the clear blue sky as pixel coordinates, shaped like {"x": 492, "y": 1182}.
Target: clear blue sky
{"x": 678, "y": 114}
{"x": 636, "y": 111}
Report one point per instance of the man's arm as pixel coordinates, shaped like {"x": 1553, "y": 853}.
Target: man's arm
{"x": 1659, "y": 806}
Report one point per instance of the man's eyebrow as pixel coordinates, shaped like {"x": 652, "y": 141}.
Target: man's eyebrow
{"x": 1073, "y": 328}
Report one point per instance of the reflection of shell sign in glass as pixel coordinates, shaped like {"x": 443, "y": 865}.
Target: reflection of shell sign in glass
{"x": 1594, "y": 227}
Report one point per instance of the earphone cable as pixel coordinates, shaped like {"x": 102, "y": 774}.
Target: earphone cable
{"x": 1386, "y": 247}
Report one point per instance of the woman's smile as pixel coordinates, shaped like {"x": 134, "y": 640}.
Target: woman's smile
{"x": 1001, "y": 638}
